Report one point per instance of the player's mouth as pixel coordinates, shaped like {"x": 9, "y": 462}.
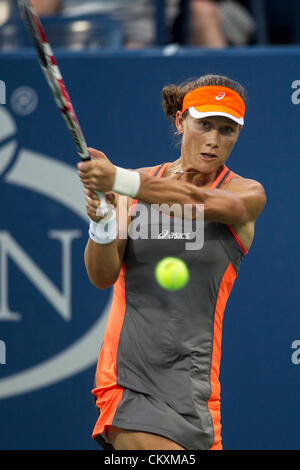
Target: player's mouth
{"x": 208, "y": 156}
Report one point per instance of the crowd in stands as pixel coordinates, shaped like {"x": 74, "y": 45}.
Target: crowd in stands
{"x": 211, "y": 23}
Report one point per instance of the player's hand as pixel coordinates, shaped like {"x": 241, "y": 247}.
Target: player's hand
{"x": 97, "y": 174}
{"x": 93, "y": 204}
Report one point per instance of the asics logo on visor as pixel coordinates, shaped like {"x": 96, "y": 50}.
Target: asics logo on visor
{"x": 220, "y": 96}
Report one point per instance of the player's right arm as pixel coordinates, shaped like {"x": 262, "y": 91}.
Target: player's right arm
{"x": 103, "y": 262}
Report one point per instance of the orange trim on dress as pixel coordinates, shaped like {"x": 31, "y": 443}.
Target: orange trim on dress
{"x": 219, "y": 178}
{"x": 163, "y": 168}
{"x": 244, "y": 250}
{"x": 108, "y": 394}
{"x": 214, "y": 400}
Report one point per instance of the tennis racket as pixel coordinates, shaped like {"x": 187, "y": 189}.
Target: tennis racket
{"x": 55, "y": 80}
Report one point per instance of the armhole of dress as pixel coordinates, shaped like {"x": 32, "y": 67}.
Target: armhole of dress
{"x": 229, "y": 176}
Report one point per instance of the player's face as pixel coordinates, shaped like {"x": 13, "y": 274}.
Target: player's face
{"x": 207, "y": 143}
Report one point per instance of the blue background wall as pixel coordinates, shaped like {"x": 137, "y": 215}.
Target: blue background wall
{"x": 118, "y": 101}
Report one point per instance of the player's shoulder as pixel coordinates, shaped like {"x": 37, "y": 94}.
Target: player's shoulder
{"x": 246, "y": 183}
{"x": 250, "y": 188}
{"x": 146, "y": 170}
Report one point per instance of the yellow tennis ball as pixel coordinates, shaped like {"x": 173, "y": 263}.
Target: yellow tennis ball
{"x": 172, "y": 273}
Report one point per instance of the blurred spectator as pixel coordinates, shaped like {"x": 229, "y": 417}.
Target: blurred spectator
{"x": 8, "y": 9}
{"x": 135, "y": 16}
{"x": 205, "y": 23}
{"x": 46, "y": 7}
{"x": 238, "y": 23}
{"x": 217, "y": 23}
{"x": 206, "y": 27}
{"x": 213, "y": 23}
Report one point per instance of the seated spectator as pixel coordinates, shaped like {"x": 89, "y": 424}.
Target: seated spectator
{"x": 206, "y": 24}
{"x": 238, "y": 24}
{"x": 217, "y": 23}
{"x": 213, "y": 23}
{"x": 135, "y": 16}
{"x": 138, "y": 19}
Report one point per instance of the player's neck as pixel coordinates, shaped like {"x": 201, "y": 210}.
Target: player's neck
{"x": 188, "y": 173}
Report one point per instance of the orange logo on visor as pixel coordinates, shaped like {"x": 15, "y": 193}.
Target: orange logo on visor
{"x": 209, "y": 101}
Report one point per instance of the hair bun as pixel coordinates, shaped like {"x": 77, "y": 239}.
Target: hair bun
{"x": 173, "y": 95}
{"x": 172, "y": 100}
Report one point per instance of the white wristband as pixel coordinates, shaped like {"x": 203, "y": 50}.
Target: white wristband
{"x": 127, "y": 182}
{"x": 105, "y": 231}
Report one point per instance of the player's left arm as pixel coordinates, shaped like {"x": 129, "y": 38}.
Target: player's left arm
{"x": 249, "y": 196}
{"x": 239, "y": 202}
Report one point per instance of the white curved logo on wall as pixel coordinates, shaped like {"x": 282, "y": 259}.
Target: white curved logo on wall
{"x": 24, "y": 100}
{"x": 49, "y": 177}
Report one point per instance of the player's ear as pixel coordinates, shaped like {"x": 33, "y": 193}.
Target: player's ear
{"x": 179, "y": 122}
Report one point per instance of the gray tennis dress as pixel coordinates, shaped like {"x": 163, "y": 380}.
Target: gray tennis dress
{"x": 158, "y": 368}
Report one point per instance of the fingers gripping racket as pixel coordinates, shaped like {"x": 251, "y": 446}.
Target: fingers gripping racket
{"x": 56, "y": 83}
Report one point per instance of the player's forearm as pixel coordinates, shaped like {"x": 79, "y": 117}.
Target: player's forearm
{"x": 102, "y": 263}
{"x": 219, "y": 206}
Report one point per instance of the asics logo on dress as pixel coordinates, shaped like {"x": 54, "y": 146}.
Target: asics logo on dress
{"x": 175, "y": 235}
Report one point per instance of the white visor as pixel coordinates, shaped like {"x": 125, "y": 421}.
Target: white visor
{"x": 197, "y": 115}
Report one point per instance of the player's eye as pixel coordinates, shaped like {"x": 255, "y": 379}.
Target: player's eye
{"x": 227, "y": 130}
{"x": 204, "y": 124}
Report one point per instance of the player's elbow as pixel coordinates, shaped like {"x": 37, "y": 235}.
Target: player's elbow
{"x": 101, "y": 278}
{"x": 102, "y": 282}
{"x": 230, "y": 211}
{"x": 239, "y": 213}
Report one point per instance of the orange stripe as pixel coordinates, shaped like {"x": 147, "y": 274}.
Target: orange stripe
{"x": 162, "y": 170}
{"x": 244, "y": 250}
{"x": 221, "y": 175}
{"x": 214, "y": 400}
{"x": 229, "y": 177}
{"x": 239, "y": 241}
{"x": 107, "y": 402}
{"x": 153, "y": 171}
{"x": 108, "y": 394}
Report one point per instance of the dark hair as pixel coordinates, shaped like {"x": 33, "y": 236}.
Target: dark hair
{"x": 173, "y": 95}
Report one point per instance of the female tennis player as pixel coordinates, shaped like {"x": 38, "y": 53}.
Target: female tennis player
{"x": 157, "y": 381}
